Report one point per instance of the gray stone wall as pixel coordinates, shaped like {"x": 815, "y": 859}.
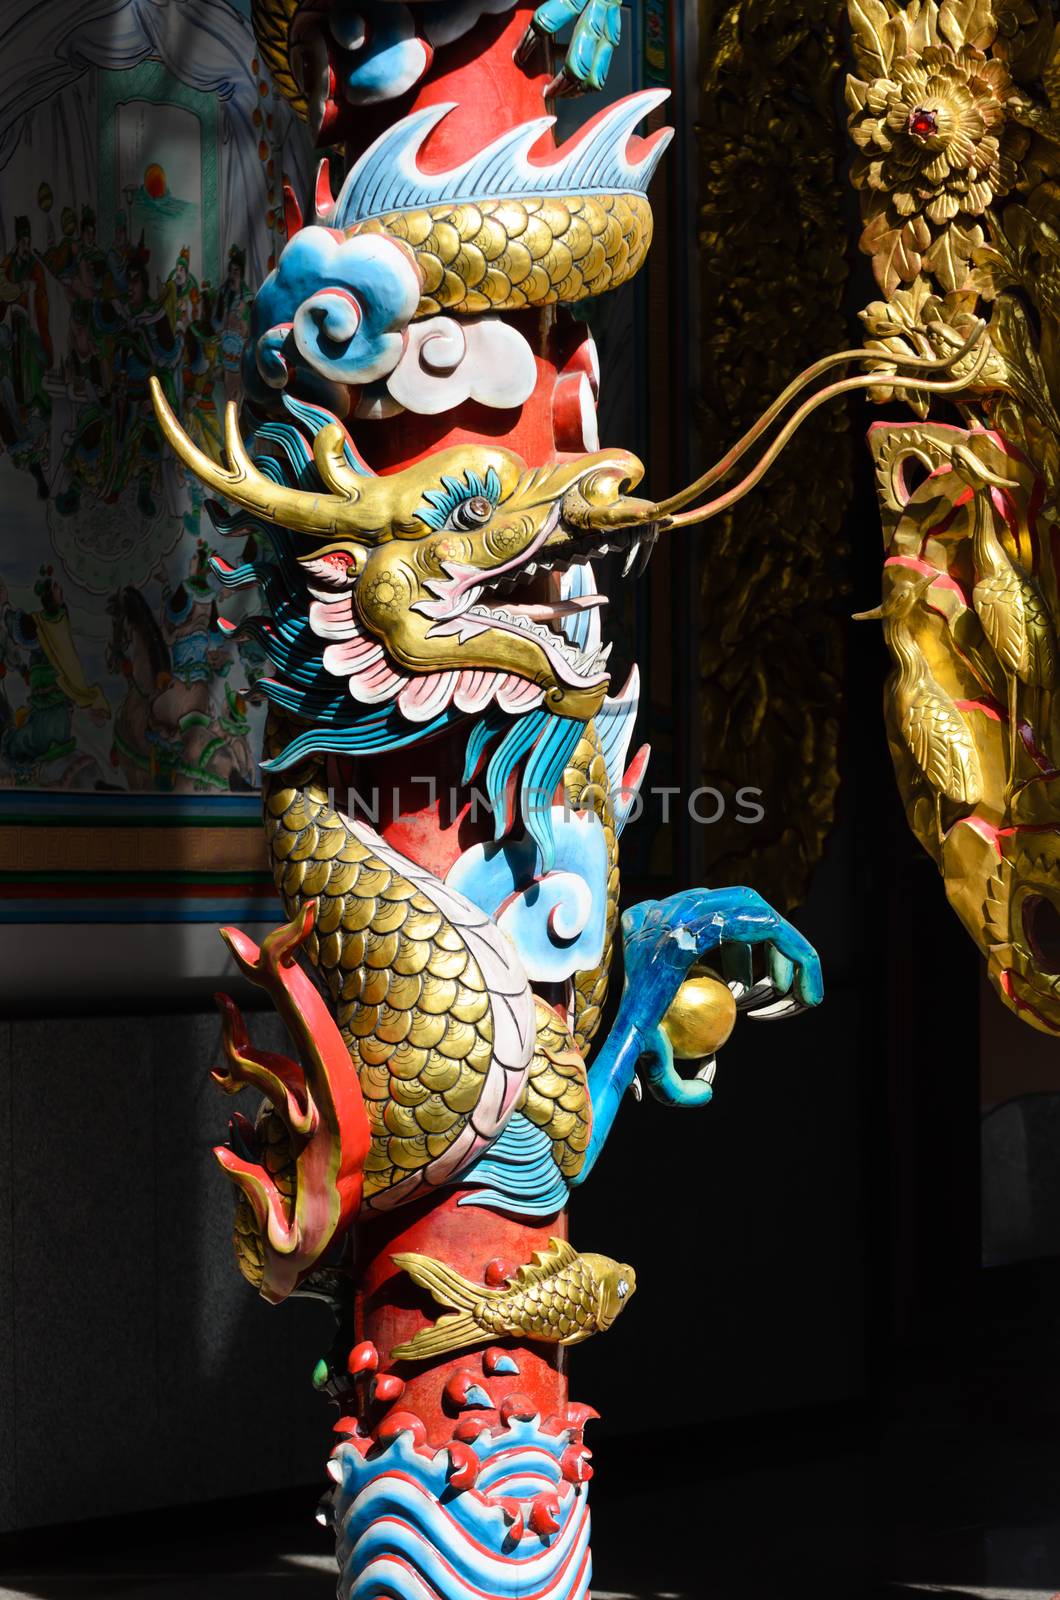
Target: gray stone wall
{"x": 137, "y": 1368}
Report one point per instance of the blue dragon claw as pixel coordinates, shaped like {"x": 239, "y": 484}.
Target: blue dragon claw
{"x": 597, "y": 30}
{"x": 663, "y": 940}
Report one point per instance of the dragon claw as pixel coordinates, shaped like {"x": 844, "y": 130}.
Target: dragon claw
{"x": 524, "y": 51}
{"x": 748, "y": 999}
{"x": 787, "y": 1006}
{"x": 596, "y": 32}
{"x": 664, "y": 942}
{"x": 781, "y": 970}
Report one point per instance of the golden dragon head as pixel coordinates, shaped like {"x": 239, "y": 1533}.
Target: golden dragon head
{"x": 452, "y": 582}
{"x": 454, "y": 566}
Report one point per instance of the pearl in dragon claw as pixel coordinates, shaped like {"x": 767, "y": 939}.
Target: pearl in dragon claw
{"x": 561, "y": 1297}
{"x": 700, "y": 1017}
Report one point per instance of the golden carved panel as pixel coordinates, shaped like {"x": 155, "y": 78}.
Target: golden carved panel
{"x": 953, "y": 117}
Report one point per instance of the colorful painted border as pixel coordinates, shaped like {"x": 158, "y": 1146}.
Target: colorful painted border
{"x": 131, "y": 858}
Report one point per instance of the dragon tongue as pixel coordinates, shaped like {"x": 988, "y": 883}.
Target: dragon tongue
{"x": 558, "y": 608}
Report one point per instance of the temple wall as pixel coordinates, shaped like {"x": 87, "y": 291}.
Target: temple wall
{"x": 132, "y": 1353}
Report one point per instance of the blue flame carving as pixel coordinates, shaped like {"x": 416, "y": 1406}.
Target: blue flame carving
{"x": 388, "y": 176}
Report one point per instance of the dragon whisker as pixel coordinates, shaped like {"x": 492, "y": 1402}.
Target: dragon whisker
{"x": 714, "y": 508}
{"x": 723, "y": 467}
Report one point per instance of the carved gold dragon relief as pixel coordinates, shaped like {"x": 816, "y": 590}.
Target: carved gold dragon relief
{"x": 953, "y": 115}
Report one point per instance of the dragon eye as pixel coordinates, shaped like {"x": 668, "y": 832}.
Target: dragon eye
{"x": 471, "y": 513}
{"x": 623, "y": 1288}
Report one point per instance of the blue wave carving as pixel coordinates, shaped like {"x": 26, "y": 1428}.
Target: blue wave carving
{"x": 517, "y": 1173}
{"x": 404, "y": 1534}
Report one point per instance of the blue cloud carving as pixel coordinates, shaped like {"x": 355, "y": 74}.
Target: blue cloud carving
{"x": 335, "y": 305}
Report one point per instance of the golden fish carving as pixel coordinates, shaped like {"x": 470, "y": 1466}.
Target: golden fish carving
{"x": 561, "y": 1297}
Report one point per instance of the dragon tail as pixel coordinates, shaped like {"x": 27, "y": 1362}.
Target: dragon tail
{"x": 451, "y": 1332}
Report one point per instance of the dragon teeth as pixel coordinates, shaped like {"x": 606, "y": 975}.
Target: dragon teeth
{"x": 584, "y": 666}
{"x": 647, "y": 545}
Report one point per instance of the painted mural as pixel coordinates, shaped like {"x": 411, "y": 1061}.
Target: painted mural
{"x": 143, "y": 151}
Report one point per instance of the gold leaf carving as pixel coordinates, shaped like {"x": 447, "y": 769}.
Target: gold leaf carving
{"x": 956, "y": 127}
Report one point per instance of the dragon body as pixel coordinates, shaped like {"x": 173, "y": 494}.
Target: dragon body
{"x": 416, "y": 1001}
{"x": 415, "y": 997}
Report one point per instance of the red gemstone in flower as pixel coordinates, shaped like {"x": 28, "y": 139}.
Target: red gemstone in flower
{"x": 923, "y": 124}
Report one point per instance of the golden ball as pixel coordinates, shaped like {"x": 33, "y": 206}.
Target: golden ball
{"x": 701, "y": 1017}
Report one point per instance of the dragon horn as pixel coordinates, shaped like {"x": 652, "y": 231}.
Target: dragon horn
{"x": 355, "y": 506}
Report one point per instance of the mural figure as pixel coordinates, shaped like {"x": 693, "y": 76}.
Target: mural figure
{"x": 180, "y": 294}
{"x": 168, "y": 732}
{"x": 231, "y": 321}
{"x": 110, "y": 273}
{"x": 118, "y": 258}
{"x": 138, "y": 652}
{"x": 116, "y": 439}
{"x": 86, "y": 288}
{"x": 60, "y": 257}
{"x": 40, "y": 643}
{"x": 25, "y": 356}
{"x": 202, "y": 364}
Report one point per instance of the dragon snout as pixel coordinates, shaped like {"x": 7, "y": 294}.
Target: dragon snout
{"x": 599, "y": 498}
{"x": 599, "y": 501}
{"x": 580, "y": 512}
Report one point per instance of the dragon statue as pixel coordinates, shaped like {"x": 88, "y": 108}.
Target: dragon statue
{"x": 954, "y": 118}
{"x": 446, "y": 775}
